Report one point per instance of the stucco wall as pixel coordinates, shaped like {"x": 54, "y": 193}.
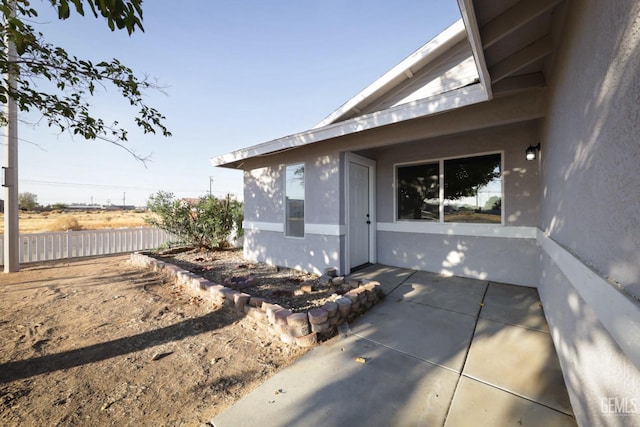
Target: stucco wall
{"x": 264, "y": 194}
{"x": 597, "y": 373}
{"x": 312, "y": 254}
{"x": 497, "y": 259}
{"x": 591, "y": 145}
{"x": 590, "y": 199}
{"x": 264, "y": 187}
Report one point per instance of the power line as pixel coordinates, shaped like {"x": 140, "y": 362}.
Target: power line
{"x": 88, "y": 185}
{"x": 110, "y": 187}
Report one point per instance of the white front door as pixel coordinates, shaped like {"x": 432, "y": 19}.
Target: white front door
{"x": 359, "y": 215}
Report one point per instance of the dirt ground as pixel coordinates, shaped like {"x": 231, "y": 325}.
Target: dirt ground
{"x": 97, "y": 342}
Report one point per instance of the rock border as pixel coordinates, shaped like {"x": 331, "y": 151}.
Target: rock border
{"x": 303, "y": 329}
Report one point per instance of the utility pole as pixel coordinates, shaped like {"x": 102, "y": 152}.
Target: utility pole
{"x": 10, "y": 170}
{"x": 123, "y": 198}
{"x": 210, "y": 182}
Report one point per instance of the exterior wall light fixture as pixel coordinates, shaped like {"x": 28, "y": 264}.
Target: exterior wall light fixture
{"x": 532, "y": 151}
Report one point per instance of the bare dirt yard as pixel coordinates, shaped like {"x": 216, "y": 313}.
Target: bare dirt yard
{"x": 97, "y": 342}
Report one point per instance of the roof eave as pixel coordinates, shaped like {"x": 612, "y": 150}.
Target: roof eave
{"x": 427, "y": 53}
{"x": 473, "y": 34}
{"x": 457, "y": 98}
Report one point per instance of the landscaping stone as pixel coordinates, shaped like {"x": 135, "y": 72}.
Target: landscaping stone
{"x": 198, "y": 283}
{"x": 256, "y": 314}
{"x": 229, "y": 297}
{"x": 362, "y": 297}
{"x": 256, "y": 302}
{"x": 319, "y": 328}
{"x": 337, "y": 281}
{"x": 331, "y": 307}
{"x": 353, "y": 296}
{"x": 308, "y": 340}
{"x": 331, "y": 271}
{"x": 281, "y": 316}
{"x": 300, "y": 331}
{"x": 324, "y": 280}
{"x": 371, "y": 285}
{"x": 271, "y": 312}
{"x": 272, "y": 319}
{"x": 240, "y": 300}
{"x": 297, "y": 319}
{"x": 344, "y": 305}
{"x": 318, "y": 315}
{"x": 217, "y": 292}
{"x": 354, "y": 283}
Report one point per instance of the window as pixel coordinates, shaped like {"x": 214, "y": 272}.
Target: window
{"x": 418, "y": 192}
{"x": 471, "y": 190}
{"x": 294, "y": 200}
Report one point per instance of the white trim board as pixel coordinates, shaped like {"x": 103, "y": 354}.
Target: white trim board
{"x": 278, "y": 227}
{"x": 263, "y": 226}
{"x": 617, "y": 312}
{"x": 459, "y": 229}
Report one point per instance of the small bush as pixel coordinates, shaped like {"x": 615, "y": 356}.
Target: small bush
{"x": 66, "y": 222}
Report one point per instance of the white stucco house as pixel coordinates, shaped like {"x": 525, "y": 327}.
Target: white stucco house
{"x": 426, "y": 169}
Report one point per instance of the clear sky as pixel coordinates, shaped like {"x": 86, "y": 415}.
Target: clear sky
{"x": 235, "y": 74}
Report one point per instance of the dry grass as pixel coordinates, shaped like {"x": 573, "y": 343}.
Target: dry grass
{"x": 36, "y": 222}
{"x": 472, "y": 217}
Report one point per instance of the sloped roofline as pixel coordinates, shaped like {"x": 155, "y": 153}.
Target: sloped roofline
{"x": 427, "y": 53}
{"x": 330, "y": 127}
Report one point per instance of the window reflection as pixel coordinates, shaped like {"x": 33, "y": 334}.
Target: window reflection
{"x": 472, "y": 190}
{"x": 294, "y": 203}
{"x": 418, "y": 189}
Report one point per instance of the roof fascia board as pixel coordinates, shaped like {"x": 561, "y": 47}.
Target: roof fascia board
{"x": 473, "y": 33}
{"x": 424, "y": 107}
{"x": 427, "y": 53}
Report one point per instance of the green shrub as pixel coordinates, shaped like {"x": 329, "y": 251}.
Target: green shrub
{"x": 207, "y": 224}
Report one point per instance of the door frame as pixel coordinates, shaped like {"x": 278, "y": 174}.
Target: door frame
{"x": 371, "y": 167}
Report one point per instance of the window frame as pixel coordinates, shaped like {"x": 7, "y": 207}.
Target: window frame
{"x": 304, "y": 195}
{"x": 440, "y": 161}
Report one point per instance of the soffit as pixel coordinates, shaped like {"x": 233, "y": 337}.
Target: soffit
{"x": 518, "y": 39}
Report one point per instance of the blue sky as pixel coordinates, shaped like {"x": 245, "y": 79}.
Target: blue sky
{"x": 235, "y": 74}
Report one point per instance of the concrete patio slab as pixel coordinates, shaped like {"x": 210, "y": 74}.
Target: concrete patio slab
{"x": 327, "y": 387}
{"x": 516, "y": 305}
{"x": 429, "y": 333}
{"x": 478, "y": 404}
{"x": 431, "y": 355}
{"x": 389, "y": 277}
{"x": 451, "y": 293}
{"x": 519, "y": 360}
